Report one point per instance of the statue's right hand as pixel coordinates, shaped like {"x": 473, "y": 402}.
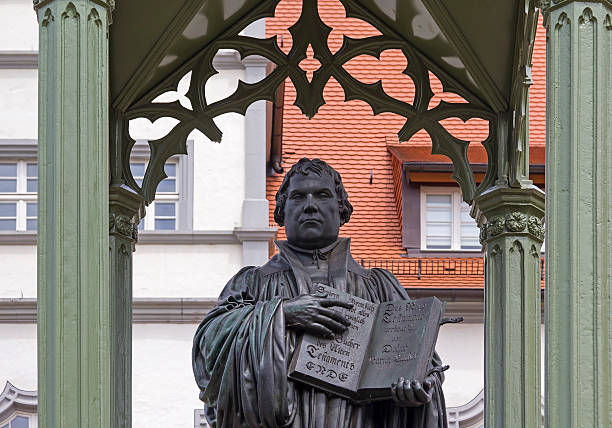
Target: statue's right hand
{"x": 311, "y": 313}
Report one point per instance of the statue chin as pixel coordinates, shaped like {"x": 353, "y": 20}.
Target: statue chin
{"x": 312, "y": 244}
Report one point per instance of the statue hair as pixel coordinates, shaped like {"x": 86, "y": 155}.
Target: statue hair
{"x": 306, "y": 166}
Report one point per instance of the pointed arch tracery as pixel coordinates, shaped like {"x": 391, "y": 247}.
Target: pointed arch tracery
{"x": 311, "y": 32}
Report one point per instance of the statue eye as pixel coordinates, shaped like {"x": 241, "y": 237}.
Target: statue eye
{"x": 297, "y": 196}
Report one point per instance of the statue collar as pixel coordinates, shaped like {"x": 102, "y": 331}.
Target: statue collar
{"x": 340, "y": 261}
{"x": 317, "y": 254}
{"x": 323, "y": 250}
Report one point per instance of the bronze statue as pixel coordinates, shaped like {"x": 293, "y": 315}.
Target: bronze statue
{"x": 243, "y": 347}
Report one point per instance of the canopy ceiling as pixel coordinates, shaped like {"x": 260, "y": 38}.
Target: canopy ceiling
{"x": 472, "y": 40}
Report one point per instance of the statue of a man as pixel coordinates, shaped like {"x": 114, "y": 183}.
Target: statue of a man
{"x": 242, "y": 349}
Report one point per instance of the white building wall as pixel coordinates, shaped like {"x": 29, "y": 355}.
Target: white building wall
{"x": 18, "y": 102}
{"x": 17, "y": 272}
{"x": 219, "y": 176}
{"x": 184, "y": 270}
{"x": 18, "y": 26}
{"x": 164, "y": 393}
{"x": 18, "y": 360}
{"x": 462, "y": 347}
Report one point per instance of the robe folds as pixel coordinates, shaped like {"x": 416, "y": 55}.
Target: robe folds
{"x": 242, "y": 351}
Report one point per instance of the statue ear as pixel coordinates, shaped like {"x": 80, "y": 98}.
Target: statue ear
{"x": 279, "y": 215}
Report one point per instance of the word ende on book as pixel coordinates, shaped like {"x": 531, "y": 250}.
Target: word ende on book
{"x": 340, "y": 346}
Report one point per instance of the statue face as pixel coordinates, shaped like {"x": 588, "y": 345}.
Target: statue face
{"x": 312, "y": 217}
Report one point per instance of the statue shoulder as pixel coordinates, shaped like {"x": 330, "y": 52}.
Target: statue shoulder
{"x": 274, "y": 265}
{"x": 383, "y": 274}
{"x": 386, "y": 281}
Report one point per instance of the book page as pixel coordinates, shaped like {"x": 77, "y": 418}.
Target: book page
{"x": 396, "y": 347}
{"x": 337, "y": 361}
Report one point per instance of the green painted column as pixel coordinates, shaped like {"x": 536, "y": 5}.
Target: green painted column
{"x": 512, "y": 234}
{"x": 579, "y": 214}
{"x": 124, "y": 209}
{"x": 74, "y": 297}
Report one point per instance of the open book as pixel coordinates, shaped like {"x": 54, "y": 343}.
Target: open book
{"x": 384, "y": 341}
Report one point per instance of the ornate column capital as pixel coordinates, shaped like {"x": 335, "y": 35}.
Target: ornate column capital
{"x": 45, "y": 8}
{"x": 546, "y": 4}
{"x": 502, "y": 211}
{"x": 548, "y": 7}
{"x": 125, "y": 211}
{"x": 109, "y": 4}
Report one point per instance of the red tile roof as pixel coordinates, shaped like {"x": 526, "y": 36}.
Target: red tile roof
{"x": 352, "y": 140}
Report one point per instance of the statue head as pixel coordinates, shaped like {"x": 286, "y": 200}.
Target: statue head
{"x": 312, "y": 204}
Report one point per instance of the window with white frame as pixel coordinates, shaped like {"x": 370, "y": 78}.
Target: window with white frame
{"x": 162, "y": 214}
{"x": 18, "y": 199}
{"x": 446, "y": 224}
{"x": 19, "y": 421}
{"x": 18, "y": 408}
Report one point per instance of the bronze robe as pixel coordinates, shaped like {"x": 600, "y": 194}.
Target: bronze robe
{"x": 241, "y": 352}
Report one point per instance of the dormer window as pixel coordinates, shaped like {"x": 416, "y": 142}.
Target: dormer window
{"x": 446, "y": 224}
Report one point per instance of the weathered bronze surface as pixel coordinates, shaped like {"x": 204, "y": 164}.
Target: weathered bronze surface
{"x": 243, "y": 348}
{"x": 383, "y": 342}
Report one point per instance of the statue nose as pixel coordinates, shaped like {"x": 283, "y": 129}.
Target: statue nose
{"x": 310, "y": 204}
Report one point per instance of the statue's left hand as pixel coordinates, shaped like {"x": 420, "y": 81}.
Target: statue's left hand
{"x": 410, "y": 393}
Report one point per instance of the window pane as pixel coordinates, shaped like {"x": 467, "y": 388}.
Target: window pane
{"x": 8, "y": 185}
{"x": 31, "y": 209}
{"x": 8, "y": 224}
{"x": 439, "y": 229}
{"x": 32, "y": 185}
{"x": 32, "y": 170}
{"x": 469, "y": 230}
{"x": 141, "y": 225}
{"x": 170, "y": 169}
{"x": 164, "y": 209}
{"x": 165, "y": 224}
{"x": 31, "y": 224}
{"x": 8, "y": 210}
{"x": 167, "y": 186}
{"x": 438, "y": 243}
{"x": 139, "y": 182}
{"x": 438, "y": 222}
{"x": 438, "y": 214}
{"x": 8, "y": 170}
{"x": 137, "y": 168}
{"x": 438, "y": 236}
{"x": 19, "y": 422}
{"x": 439, "y": 200}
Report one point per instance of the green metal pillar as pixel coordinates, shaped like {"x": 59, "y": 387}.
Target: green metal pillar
{"x": 74, "y": 298}
{"x": 124, "y": 209}
{"x": 512, "y": 235}
{"x": 579, "y": 214}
